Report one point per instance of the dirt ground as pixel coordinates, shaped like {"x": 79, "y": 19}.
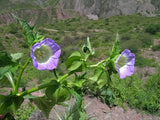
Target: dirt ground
{"x": 100, "y": 111}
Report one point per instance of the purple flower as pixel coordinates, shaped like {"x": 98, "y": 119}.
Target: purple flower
{"x": 45, "y": 54}
{"x": 125, "y": 64}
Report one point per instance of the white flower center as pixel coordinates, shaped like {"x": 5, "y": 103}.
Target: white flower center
{"x": 43, "y": 53}
{"x": 122, "y": 61}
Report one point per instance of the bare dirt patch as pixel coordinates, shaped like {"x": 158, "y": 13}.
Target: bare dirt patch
{"x": 100, "y": 111}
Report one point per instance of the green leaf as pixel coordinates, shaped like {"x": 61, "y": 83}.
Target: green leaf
{"x": 78, "y": 83}
{"x": 109, "y": 96}
{"x": 16, "y": 56}
{"x": 27, "y": 30}
{"x": 76, "y": 53}
{"x": 75, "y": 65}
{"x": 4, "y": 82}
{"x": 4, "y": 70}
{"x": 62, "y": 94}
{"x": 88, "y": 47}
{"x": 74, "y": 61}
{"x": 44, "y": 104}
{"x": 8, "y": 63}
{"x": 9, "y": 103}
{"x": 10, "y": 79}
{"x": 51, "y": 90}
{"x": 5, "y": 59}
{"x": 59, "y": 94}
{"x": 38, "y": 37}
{"x": 77, "y": 111}
{"x": 103, "y": 79}
{"x": 97, "y": 74}
{"x": 6, "y": 77}
{"x": 9, "y": 116}
{"x": 115, "y": 49}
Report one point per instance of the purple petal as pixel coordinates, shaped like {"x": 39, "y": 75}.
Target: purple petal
{"x": 128, "y": 68}
{"x": 33, "y": 48}
{"x": 52, "y": 62}
{"x": 126, "y": 71}
{"x": 55, "y": 48}
{"x": 131, "y": 59}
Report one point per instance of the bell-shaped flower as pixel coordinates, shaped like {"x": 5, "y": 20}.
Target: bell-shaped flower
{"x": 45, "y": 55}
{"x": 125, "y": 63}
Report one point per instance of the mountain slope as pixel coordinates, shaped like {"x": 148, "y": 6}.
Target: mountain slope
{"x": 37, "y": 11}
{"x": 44, "y": 11}
{"x": 107, "y": 8}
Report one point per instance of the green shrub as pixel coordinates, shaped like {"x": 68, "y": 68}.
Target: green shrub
{"x": 134, "y": 45}
{"x": 138, "y": 94}
{"x": 142, "y": 62}
{"x": 146, "y": 39}
{"x": 153, "y": 28}
{"x": 156, "y": 47}
{"x": 24, "y": 112}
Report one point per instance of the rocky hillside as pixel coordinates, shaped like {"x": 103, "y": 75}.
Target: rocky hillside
{"x": 37, "y": 11}
{"x": 105, "y": 8}
{"x": 44, "y": 11}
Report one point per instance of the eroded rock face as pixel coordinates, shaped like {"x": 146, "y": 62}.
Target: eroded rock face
{"x": 93, "y": 9}
{"x": 107, "y": 8}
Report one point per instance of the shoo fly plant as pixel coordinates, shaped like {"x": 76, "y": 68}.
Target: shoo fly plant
{"x": 44, "y": 55}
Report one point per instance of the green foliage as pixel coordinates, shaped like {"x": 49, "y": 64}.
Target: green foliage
{"x": 74, "y": 62}
{"x": 137, "y": 42}
{"x": 77, "y": 84}
{"x": 52, "y": 2}
{"x": 9, "y": 64}
{"x": 142, "y": 62}
{"x": 24, "y": 112}
{"x": 5, "y": 59}
{"x": 152, "y": 90}
{"x": 146, "y": 40}
{"x": 9, "y": 103}
{"x": 44, "y": 104}
{"x": 115, "y": 49}
{"x": 88, "y": 48}
{"x": 75, "y": 110}
{"x": 31, "y": 36}
{"x": 113, "y": 92}
{"x": 138, "y": 94}
{"x": 156, "y": 47}
{"x": 153, "y": 28}
{"x": 27, "y": 30}
{"x": 16, "y": 56}
{"x": 50, "y": 91}
{"x": 61, "y": 94}
{"x": 108, "y": 96}
{"x": 54, "y": 94}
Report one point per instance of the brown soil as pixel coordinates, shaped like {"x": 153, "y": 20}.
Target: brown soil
{"x": 100, "y": 111}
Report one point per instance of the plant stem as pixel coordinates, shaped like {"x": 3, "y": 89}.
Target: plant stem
{"x": 33, "y": 89}
{"x": 64, "y": 76}
{"x": 20, "y": 75}
{"x": 42, "y": 86}
{"x": 55, "y": 73}
{"x": 106, "y": 60}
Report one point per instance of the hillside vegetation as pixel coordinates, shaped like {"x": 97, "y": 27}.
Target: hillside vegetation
{"x": 135, "y": 34}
